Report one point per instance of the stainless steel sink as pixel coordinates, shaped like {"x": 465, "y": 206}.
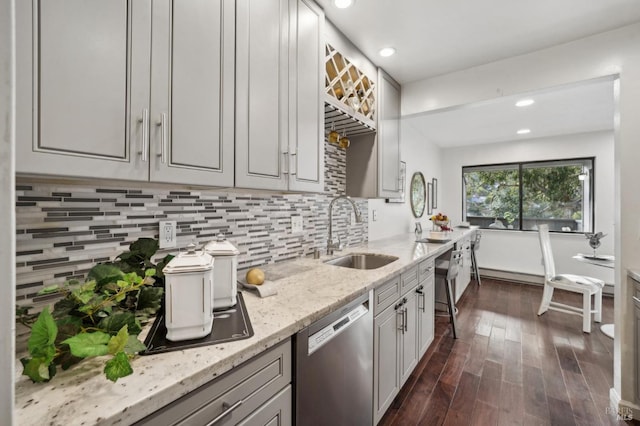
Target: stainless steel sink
{"x": 362, "y": 260}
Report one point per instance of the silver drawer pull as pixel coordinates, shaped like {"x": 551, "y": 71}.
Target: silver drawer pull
{"x": 635, "y": 299}
{"x": 144, "y": 121}
{"x": 228, "y": 409}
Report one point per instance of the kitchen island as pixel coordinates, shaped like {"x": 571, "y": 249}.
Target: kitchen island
{"x": 308, "y": 289}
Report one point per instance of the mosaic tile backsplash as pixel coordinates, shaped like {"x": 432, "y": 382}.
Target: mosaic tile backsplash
{"x": 63, "y": 229}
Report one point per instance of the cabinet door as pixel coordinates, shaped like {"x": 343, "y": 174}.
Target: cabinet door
{"x": 409, "y": 337}
{"x": 306, "y": 123}
{"x": 426, "y": 317}
{"x": 385, "y": 363}
{"x": 262, "y": 157}
{"x": 388, "y": 136}
{"x": 82, "y": 84}
{"x": 275, "y": 412}
{"x": 464, "y": 275}
{"x": 192, "y": 90}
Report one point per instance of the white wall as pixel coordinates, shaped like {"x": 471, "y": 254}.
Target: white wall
{"x": 613, "y": 52}
{"x": 7, "y": 213}
{"x": 420, "y": 156}
{"x": 497, "y": 248}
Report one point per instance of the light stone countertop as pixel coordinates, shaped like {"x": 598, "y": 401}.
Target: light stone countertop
{"x": 308, "y": 289}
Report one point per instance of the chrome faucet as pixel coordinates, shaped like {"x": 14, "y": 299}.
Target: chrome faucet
{"x": 331, "y": 245}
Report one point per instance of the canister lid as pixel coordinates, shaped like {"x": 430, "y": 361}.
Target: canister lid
{"x": 221, "y": 247}
{"x": 191, "y": 260}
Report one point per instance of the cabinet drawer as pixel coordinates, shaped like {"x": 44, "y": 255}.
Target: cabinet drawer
{"x": 426, "y": 268}
{"x": 276, "y": 412}
{"x": 247, "y": 386}
{"x": 409, "y": 279}
{"x": 386, "y": 295}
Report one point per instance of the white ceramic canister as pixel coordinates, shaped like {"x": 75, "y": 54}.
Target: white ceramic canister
{"x": 189, "y": 288}
{"x": 226, "y": 271}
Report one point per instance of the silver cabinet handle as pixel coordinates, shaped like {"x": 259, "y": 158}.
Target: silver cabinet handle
{"x": 163, "y": 137}
{"x": 406, "y": 318}
{"x": 228, "y": 409}
{"x": 144, "y": 120}
{"x": 401, "y": 313}
{"x": 292, "y": 156}
{"x": 285, "y": 158}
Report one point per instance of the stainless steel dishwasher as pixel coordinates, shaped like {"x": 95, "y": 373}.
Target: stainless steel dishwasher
{"x": 334, "y": 368}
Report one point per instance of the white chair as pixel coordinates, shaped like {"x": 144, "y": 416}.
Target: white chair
{"x": 587, "y": 286}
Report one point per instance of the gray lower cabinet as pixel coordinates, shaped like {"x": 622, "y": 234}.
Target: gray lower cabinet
{"x": 257, "y": 392}
{"x": 386, "y": 382}
{"x": 636, "y": 332}
{"x": 426, "y": 300}
{"x": 403, "y": 329}
{"x": 136, "y": 90}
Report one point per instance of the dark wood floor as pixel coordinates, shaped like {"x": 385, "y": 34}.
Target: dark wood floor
{"x": 509, "y": 366}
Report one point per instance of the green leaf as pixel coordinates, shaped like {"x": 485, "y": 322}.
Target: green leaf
{"x": 147, "y": 247}
{"x": 43, "y": 336}
{"x": 118, "y": 367}
{"x": 150, "y": 299}
{"x": 85, "y": 292}
{"x": 67, "y": 327}
{"x": 38, "y": 369}
{"x": 55, "y": 288}
{"x": 104, "y": 273}
{"x": 114, "y": 323}
{"x": 134, "y": 345}
{"x": 64, "y": 307}
{"x": 85, "y": 345}
{"x": 150, "y": 272}
{"x": 119, "y": 341}
{"x": 123, "y": 284}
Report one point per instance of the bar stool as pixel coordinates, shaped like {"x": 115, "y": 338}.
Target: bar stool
{"x": 475, "y": 244}
{"x": 447, "y": 267}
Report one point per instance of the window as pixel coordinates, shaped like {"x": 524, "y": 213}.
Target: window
{"x": 521, "y": 196}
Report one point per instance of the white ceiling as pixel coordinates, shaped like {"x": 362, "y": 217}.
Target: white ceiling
{"x": 581, "y": 107}
{"x": 437, "y": 37}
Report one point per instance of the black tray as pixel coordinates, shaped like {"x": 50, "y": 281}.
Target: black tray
{"x": 228, "y": 325}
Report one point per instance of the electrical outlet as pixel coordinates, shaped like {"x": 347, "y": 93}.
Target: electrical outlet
{"x": 296, "y": 224}
{"x": 167, "y": 236}
{"x": 374, "y": 215}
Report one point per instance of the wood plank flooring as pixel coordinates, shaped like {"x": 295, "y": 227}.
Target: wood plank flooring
{"x": 509, "y": 366}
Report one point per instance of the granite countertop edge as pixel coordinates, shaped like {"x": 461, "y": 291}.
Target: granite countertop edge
{"x": 308, "y": 289}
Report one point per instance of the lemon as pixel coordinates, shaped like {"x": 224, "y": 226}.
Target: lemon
{"x": 255, "y": 276}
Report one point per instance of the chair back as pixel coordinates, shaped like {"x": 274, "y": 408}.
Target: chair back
{"x": 455, "y": 261}
{"x": 547, "y": 254}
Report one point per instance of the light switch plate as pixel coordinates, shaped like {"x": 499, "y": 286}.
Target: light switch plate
{"x": 167, "y": 237}
{"x": 296, "y": 224}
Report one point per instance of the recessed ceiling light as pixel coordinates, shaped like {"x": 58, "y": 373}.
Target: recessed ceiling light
{"x": 525, "y": 102}
{"x": 387, "y": 51}
{"x": 523, "y": 131}
{"x": 343, "y": 4}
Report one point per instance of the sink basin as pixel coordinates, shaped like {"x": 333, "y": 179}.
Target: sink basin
{"x": 362, "y": 260}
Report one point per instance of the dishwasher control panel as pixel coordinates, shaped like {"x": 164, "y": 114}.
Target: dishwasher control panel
{"x": 321, "y": 337}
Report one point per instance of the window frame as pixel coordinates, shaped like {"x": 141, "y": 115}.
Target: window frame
{"x": 519, "y": 165}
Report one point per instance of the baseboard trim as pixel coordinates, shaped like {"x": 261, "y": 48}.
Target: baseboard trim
{"x": 524, "y": 278}
{"x": 624, "y": 410}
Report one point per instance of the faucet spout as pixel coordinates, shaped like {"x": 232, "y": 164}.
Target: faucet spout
{"x": 331, "y": 246}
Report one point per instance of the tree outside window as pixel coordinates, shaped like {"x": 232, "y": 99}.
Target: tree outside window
{"x": 521, "y": 196}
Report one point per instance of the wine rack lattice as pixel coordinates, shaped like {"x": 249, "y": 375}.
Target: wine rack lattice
{"x": 349, "y": 85}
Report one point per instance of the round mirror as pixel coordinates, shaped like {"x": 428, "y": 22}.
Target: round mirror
{"x": 418, "y": 194}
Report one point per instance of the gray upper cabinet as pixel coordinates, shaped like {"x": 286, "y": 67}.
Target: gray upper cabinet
{"x": 373, "y": 160}
{"x": 279, "y": 77}
{"x": 389, "y": 184}
{"x": 91, "y": 103}
{"x": 192, "y": 92}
